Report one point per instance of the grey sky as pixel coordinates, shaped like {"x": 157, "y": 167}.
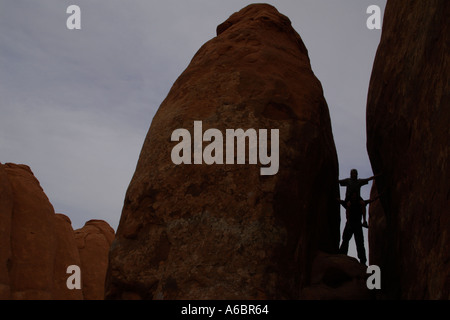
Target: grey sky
{"x": 76, "y": 104}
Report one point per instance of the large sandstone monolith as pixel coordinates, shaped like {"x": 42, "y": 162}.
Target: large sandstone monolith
{"x": 37, "y": 245}
{"x": 408, "y": 140}
{"x": 224, "y": 231}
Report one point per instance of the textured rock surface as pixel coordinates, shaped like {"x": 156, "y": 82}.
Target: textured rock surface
{"x": 32, "y": 237}
{"x": 224, "y": 231}
{"x": 66, "y": 254}
{"x": 93, "y": 242}
{"x": 38, "y": 245}
{"x": 408, "y": 142}
{"x": 337, "y": 277}
{"x": 6, "y": 207}
{"x": 377, "y": 232}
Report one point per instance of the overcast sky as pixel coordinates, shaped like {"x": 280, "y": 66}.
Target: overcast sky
{"x": 76, "y": 104}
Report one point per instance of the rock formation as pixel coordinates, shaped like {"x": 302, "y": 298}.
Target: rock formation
{"x": 93, "y": 243}
{"x": 6, "y": 206}
{"x": 337, "y": 277}
{"x": 408, "y": 142}
{"x": 224, "y": 231}
{"x": 66, "y": 254}
{"x": 377, "y": 231}
{"x": 38, "y": 245}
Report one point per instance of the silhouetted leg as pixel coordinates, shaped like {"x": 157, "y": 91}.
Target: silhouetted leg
{"x": 359, "y": 239}
{"x": 346, "y": 236}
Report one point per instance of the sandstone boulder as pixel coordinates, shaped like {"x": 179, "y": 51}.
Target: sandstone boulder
{"x": 408, "y": 142}
{"x": 93, "y": 242}
{"x": 224, "y": 231}
{"x": 337, "y": 277}
{"x": 32, "y": 238}
{"x": 66, "y": 254}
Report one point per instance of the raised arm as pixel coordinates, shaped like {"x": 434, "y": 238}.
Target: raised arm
{"x": 365, "y": 181}
{"x": 373, "y": 177}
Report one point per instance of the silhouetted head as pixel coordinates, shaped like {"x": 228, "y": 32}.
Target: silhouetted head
{"x": 354, "y": 174}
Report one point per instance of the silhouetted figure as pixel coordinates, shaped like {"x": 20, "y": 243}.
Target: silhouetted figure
{"x": 354, "y": 185}
{"x": 355, "y": 210}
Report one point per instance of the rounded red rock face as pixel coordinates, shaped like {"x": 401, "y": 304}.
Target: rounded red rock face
{"x": 225, "y": 231}
{"x": 37, "y": 245}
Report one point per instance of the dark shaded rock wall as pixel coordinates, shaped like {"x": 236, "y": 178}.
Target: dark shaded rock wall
{"x": 408, "y": 142}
